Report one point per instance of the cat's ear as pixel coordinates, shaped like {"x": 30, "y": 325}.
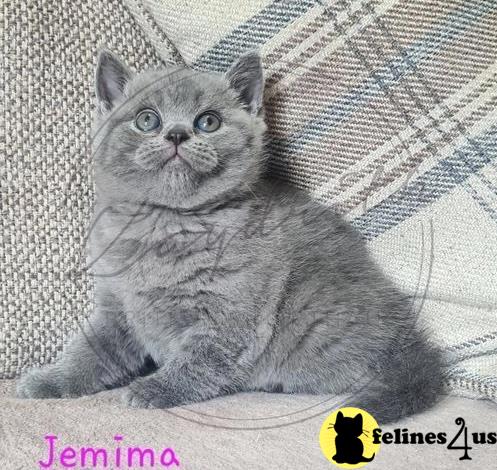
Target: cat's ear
{"x": 110, "y": 79}
{"x": 358, "y": 419}
{"x": 339, "y": 416}
{"x": 246, "y": 78}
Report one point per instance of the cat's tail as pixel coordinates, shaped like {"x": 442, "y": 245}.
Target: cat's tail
{"x": 407, "y": 379}
{"x": 365, "y": 459}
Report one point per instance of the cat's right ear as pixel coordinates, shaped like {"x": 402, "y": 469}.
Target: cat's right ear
{"x": 110, "y": 79}
{"x": 246, "y": 78}
{"x": 339, "y": 416}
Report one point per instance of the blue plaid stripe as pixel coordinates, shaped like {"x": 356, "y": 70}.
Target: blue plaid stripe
{"x": 429, "y": 186}
{"x": 253, "y": 33}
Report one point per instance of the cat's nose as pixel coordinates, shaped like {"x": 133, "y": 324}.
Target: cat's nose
{"x": 178, "y": 134}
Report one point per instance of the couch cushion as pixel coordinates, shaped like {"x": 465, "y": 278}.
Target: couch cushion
{"x": 49, "y": 52}
{"x": 242, "y": 431}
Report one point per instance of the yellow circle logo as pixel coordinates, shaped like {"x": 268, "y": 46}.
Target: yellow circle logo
{"x": 346, "y": 438}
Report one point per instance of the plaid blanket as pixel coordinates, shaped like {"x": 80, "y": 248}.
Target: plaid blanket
{"x": 385, "y": 109}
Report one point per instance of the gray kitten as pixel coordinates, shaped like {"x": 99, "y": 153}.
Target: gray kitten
{"x": 211, "y": 279}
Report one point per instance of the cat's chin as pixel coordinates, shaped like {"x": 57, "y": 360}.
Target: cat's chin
{"x": 177, "y": 186}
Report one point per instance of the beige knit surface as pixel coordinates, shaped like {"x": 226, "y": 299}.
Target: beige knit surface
{"x": 48, "y": 52}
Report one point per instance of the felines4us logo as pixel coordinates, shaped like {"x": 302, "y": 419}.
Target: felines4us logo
{"x": 351, "y": 438}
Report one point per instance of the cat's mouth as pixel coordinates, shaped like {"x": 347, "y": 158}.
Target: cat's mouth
{"x": 175, "y": 157}
{"x": 173, "y": 154}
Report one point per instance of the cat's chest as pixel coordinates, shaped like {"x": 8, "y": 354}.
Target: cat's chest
{"x": 155, "y": 250}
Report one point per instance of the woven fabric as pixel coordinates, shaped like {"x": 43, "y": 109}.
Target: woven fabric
{"x": 220, "y": 434}
{"x": 48, "y": 52}
{"x": 385, "y": 109}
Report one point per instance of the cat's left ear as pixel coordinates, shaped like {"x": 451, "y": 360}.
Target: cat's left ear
{"x": 110, "y": 79}
{"x": 246, "y": 78}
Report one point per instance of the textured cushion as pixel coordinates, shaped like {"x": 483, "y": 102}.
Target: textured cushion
{"x": 386, "y": 109}
{"x": 49, "y": 51}
{"x": 245, "y": 431}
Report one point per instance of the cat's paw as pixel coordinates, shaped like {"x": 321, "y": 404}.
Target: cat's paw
{"x": 38, "y": 383}
{"x": 148, "y": 392}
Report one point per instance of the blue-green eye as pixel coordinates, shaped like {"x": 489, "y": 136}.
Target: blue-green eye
{"x": 208, "y": 122}
{"x": 147, "y": 120}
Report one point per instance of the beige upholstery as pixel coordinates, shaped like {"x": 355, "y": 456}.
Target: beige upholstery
{"x": 233, "y": 441}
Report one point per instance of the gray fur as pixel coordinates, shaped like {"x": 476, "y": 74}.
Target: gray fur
{"x": 212, "y": 279}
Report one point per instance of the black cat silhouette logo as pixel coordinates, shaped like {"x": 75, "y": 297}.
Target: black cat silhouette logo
{"x": 349, "y": 447}
{"x": 346, "y": 438}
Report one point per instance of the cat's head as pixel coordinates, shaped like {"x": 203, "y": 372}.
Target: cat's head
{"x": 348, "y": 426}
{"x": 177, "y": 137}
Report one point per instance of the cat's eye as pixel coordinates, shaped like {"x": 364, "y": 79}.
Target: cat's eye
{"x": 147, "y": 120}
{"x": 208, "y": 122}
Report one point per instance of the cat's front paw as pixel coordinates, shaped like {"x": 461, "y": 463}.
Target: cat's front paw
{"x": 38, "y": 383}
{"x": 149, "y": 392}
